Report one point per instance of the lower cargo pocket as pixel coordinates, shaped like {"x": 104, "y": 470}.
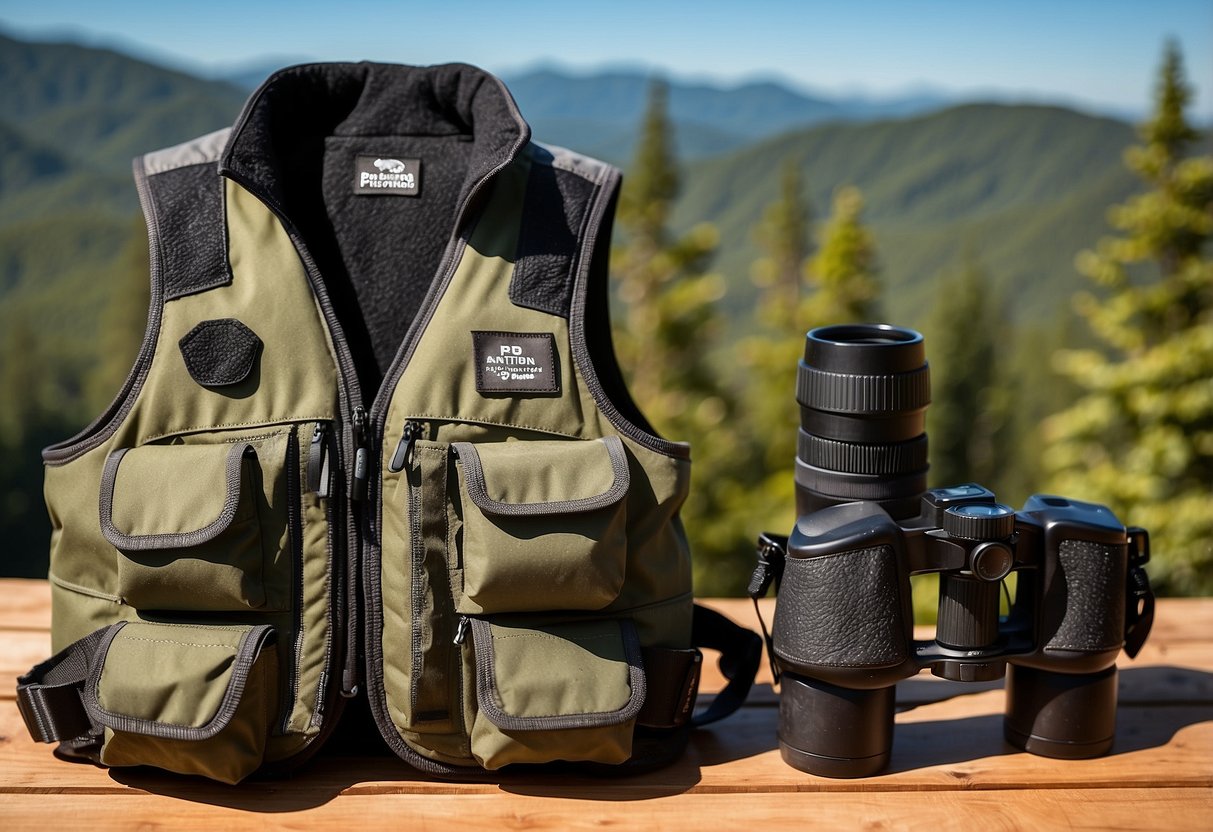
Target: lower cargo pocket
{"x": 193, "y": 699}
{"x": 565, "y": 691}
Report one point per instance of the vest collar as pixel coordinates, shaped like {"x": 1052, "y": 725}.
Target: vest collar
{"x": 297, "y": 107}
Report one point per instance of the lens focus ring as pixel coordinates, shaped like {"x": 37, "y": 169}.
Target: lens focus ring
{"x": 846, "y": 393}
{"x": 852, "y": 458}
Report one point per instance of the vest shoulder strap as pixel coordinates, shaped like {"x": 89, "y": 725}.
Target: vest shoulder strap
{"x": 556, "y": 227}
{"x": 182, "y": 196}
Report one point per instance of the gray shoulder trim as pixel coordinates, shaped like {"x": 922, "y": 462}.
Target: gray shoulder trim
{"x": 197, "y": 151}
{"x": 567, "y": 160}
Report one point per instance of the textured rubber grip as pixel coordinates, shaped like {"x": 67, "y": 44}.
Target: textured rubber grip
{"x": 841, "y": 610}
{"x": 1088, "y": 612}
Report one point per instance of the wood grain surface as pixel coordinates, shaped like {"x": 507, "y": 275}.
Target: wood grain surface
{"x": 950, "y": 768}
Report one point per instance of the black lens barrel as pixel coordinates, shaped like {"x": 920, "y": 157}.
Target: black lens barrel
{"x": 863, "y": 391}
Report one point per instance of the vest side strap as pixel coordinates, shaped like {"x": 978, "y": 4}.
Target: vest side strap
{"x": 740, "y": 654}
{"x": 49, "y": 695}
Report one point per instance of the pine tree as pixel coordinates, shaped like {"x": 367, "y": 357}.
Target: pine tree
{"x": 667, "y": 335}
{"x": 970, "y": 391}
{"x": 1140, "y": 437}
{"x": 843, "y": 272}
{"x": 837, "y": 285}
{"x": 770, "y": 356}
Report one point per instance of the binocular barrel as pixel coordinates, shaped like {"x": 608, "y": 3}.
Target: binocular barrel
{"x": 843, "y": 629}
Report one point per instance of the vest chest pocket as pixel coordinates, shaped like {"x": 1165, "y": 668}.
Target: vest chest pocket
{"x": 543, "y": 525}
{"x": 200, "y": 527}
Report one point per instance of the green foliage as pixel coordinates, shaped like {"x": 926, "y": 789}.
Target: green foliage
{"x": 972, "y": 394}
{"x": 843, "y": 272}
{"x": 770, "y": 356}
{"x": 1140, "y": 437}
{"x": 663, "y": 344}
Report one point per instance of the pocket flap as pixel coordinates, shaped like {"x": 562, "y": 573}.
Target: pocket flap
{"x": 542, "y": 677}
{"x": 172, "y": 496}
{"x": 173, "y": 681}
{"x": 517, "y": 479}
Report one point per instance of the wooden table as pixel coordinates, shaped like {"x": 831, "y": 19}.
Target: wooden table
{"x": 950, "y": 768}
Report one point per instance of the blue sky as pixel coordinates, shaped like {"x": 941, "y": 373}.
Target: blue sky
{"x": 1102, "y": 55}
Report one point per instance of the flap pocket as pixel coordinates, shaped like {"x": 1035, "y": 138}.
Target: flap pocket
{"x": 543, "y": 524}
{"x": 199, "y": 527}
{"x": 194, "y": 699}
{"x": 567, "y": 691}
{"x": 173, "y": 496}
{"x": 536, "y": 479}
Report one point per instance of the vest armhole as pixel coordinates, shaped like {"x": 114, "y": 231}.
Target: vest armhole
{"x": 590, "y": 328}
{"x": 105, "y": 425}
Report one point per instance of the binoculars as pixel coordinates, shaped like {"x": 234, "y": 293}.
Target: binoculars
{"x": 842, "y": 635}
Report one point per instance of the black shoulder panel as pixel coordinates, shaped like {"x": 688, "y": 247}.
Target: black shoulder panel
{"x": 192, "y": 231}
{"x": 553, "y": 215}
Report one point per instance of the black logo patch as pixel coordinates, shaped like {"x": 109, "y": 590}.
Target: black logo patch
{"x": 515, "y": 362}
{"x": 388, "y": 175}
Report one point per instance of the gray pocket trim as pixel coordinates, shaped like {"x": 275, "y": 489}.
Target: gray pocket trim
{"x": 247, "y": 652}
{"x": 473, "y": 475}
{"x": 175, "y": 540}
{"x": 489, "y": 701}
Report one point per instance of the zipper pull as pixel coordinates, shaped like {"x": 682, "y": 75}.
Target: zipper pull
{"x": 401, "y": 458}
{"x": 362, "y": 455}
{"x": 318, "y": 461}
{"x": 461, "y": 632}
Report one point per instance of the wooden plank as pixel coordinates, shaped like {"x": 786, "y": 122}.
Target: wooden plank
{"x": 27, "y": 604}
{"x": 943, "y": 746}
{"x": 1138, "y": 809}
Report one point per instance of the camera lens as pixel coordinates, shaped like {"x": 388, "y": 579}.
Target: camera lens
{"x": 863, "y": 391}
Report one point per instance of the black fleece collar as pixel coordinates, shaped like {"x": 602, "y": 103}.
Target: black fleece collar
{"x": 299, "y": 106}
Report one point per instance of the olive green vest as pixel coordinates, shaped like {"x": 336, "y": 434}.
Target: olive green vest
{"x": 375, "y": 443}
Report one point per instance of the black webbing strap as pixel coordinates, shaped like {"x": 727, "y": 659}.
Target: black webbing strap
{"x": 740, "y": 654}
{"x": 49, "y": 696}
{"x": 671, "y": 681}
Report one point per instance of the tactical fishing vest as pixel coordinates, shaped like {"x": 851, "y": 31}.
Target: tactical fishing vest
{"x": 375, "y": 444}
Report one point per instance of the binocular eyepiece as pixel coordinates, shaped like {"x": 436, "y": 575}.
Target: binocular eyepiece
{"x": 863, "y": 391}
{"x": 843, "y": 636}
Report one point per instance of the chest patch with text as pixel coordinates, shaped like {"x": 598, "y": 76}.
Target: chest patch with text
{"x": 515, "y": 362}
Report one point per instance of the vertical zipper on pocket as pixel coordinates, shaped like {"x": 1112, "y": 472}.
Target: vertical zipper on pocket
{"x": 362, "y": 455}
{"x": 416, "y": 588}
{"x": 318, "y": 461}
{"x": 294, "y": 512}
{"x": 461, "y": 632}
{"x": 401, "y": 457}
